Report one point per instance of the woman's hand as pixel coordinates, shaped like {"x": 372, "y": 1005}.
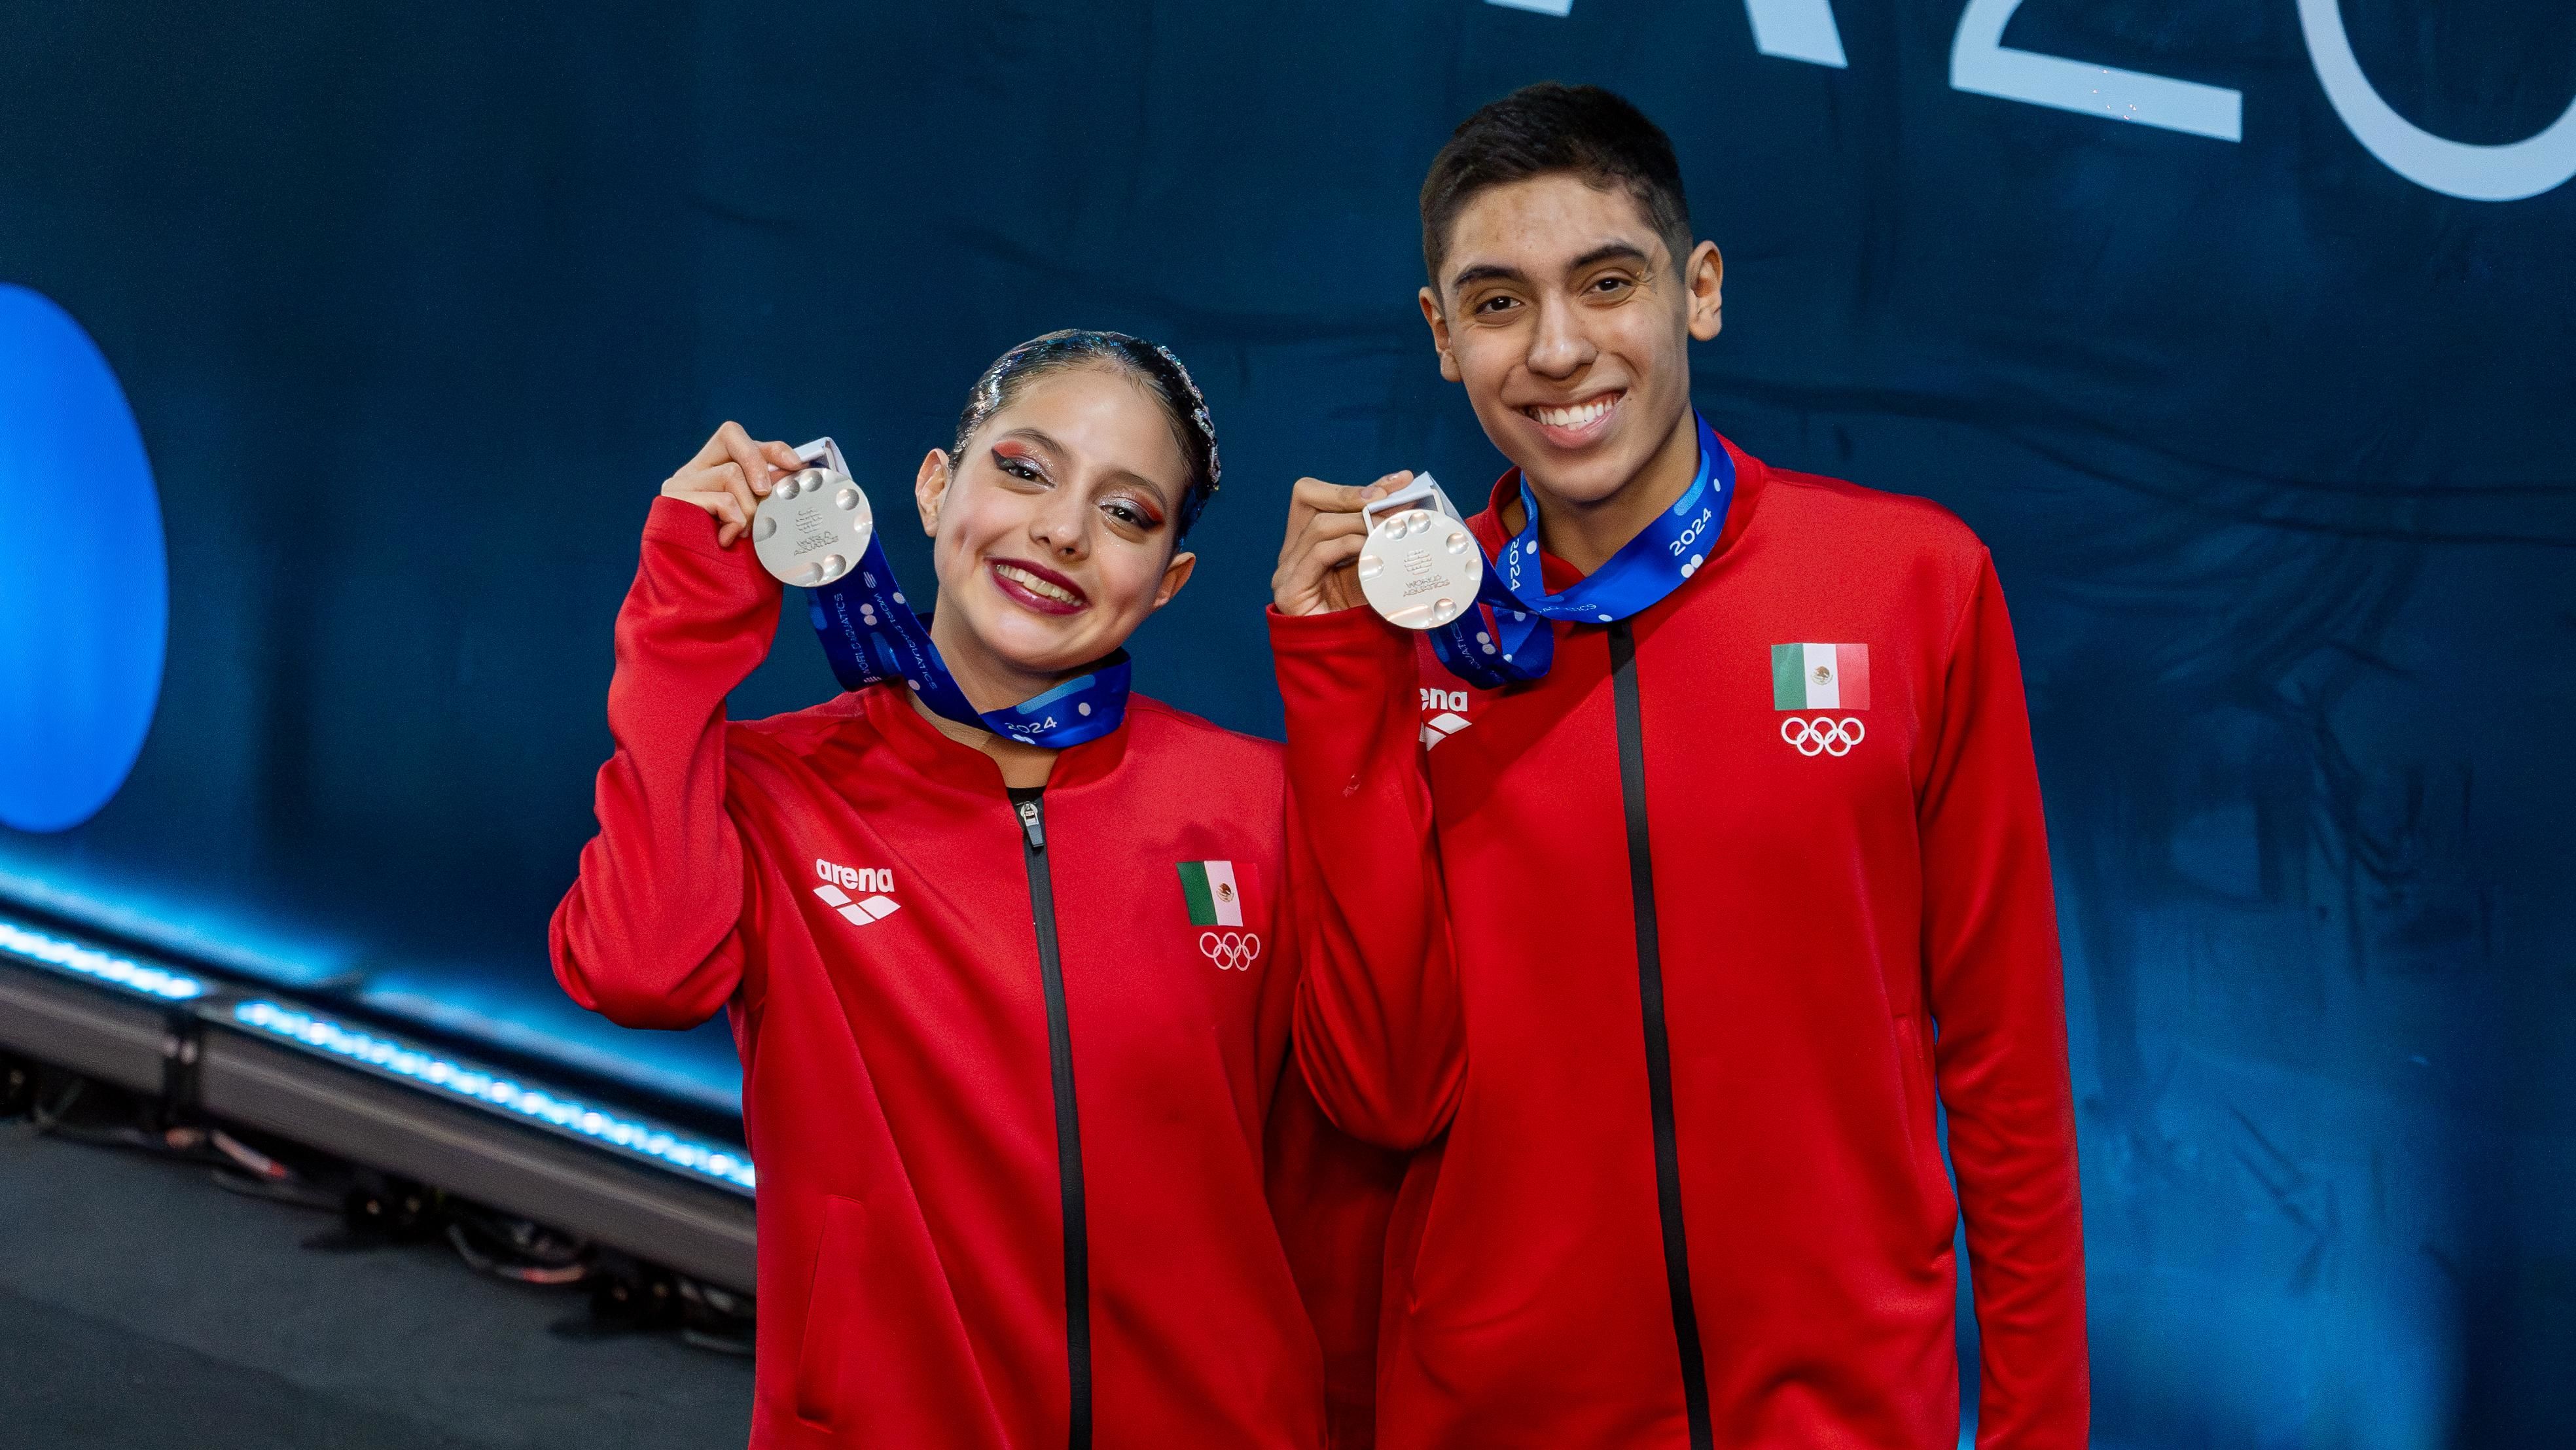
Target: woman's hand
{"x": 1317, "y": 571}
{"x": 729, "y": 478}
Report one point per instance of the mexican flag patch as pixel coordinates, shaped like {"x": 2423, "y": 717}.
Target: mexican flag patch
{"x": 1213, "y": 897}
{"x": 1820, "y": 677}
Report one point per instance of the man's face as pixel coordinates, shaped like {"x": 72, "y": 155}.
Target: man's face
{"x": 1561, "y": 310}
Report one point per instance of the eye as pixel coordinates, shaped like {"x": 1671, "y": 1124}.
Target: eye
{"x": 1018, "y": 465}
{"x": 1130, "y": 515}
{"x": 1611, "y": 286}
{"x": 1496, "y": 305}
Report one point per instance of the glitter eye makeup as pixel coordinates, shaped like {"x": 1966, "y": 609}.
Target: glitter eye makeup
{"x": 1019, "y": 460}
{"x": 1138, "y": 512}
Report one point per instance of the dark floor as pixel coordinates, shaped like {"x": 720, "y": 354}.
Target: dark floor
{"x": 141, "y": 1305}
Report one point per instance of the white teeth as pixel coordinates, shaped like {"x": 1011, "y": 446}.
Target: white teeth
{"x": 1581, "y": 415}
{"x": 1044, "y": 589}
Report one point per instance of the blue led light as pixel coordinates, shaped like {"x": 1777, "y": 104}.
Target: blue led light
{"x": 462, "y": 1080}
{"x": 85, "y": 597}
{"x": 44, "y": 949}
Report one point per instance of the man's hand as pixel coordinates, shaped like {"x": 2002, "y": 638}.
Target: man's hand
{"x": 729, "y": 478}
{"x": 1317, "y": 560}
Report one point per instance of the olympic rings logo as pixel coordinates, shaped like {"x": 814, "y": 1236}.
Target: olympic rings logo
{"x": 1823, "y": 735}
{"x": 1232, "y": 951}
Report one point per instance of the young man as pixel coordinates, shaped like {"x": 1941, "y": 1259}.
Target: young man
{"x": 1655, "y": 906}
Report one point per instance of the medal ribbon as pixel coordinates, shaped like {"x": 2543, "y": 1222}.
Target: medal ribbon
{"x": 1506, "y": 639}
{"x": 870, "y": 634}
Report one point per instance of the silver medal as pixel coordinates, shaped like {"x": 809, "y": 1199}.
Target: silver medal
{"x": 1420, "y": 567}
{"x": 815, "y": 523}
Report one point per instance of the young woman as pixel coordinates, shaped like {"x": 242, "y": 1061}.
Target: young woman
{"x": 1001, "y": 944}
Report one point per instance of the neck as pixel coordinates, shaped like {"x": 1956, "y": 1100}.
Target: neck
{"x": 989, "y": 683}
{"x": 1585, "y": 534}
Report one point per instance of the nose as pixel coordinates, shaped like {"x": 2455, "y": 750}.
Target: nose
{"x": 1062, "y": 525}
{"x": 1559, "y": 348}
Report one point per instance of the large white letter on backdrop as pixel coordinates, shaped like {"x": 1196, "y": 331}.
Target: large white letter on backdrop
{"x": 2526, "y": 167}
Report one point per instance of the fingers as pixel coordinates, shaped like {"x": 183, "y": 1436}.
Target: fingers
{"x": 1323, "y": 547}
{"x": 1323, "y": 538}
{"x": 731, "y": 443}
{"x": 1317, "y": 578}
{"x": 740, "y": 469}
{"x": 1314, "y": 495}
{"x": 747, "y": 456}
{"x": 734, "y": 463}
{"x": 1313, "y": 498}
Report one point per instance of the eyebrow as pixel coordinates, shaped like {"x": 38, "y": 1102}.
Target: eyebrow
{"x": 1046, "y": 440}
{"x": 1607, "y": 251}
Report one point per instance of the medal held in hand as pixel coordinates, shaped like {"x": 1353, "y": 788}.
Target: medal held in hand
{"x": 815, "y": 525}
{"x": 1420, "y": 568}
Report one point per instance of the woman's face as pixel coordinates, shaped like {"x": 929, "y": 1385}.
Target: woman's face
{"x": 1053, "y": 535}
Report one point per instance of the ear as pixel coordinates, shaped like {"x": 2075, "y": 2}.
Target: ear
{"x": 1703, "y": 284}
{"x": 1439, "y": 321}
{"x": 929, "y": 486}
{"x": 1175, "y": 574}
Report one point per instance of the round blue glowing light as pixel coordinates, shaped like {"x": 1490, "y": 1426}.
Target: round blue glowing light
{"x": 84, "y": 582}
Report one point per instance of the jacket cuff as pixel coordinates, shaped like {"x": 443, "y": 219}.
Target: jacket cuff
{"x": 679, "y": 524}
{"x": 1340, "y": 634}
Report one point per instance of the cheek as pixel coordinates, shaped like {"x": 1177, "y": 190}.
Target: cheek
{"x": 1485, "y": 362}
{"x": 973, "y": 518}
{"x": 1129, "y": 574}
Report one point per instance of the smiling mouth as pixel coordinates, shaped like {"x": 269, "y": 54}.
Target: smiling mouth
{"x": 1049, "y": 592}
{"x": 1575, "y": 422}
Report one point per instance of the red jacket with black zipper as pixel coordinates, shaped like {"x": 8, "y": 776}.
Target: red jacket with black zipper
{"x": 1664, "y": 961}
{"x": 1021, "y": 1125}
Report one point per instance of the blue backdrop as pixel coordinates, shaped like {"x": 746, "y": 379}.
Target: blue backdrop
{"x": 2244, "y": 332}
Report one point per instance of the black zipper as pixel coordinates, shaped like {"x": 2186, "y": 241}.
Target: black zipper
{"x": 1068, "y": 1122}
{"x": 1659, "y": 1052}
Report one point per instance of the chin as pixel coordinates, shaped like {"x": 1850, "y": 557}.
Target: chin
{"x": 1587, "y": 477}
{"x": 1026, "y": 642}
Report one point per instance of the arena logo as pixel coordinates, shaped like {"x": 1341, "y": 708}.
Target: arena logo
{"x": 855, "y": 878}
{"x": 839, "y": 881}
{"x": 1981, "y": 64}
{"x": 1448, "y": 721}
{"x": 85, "y": 598}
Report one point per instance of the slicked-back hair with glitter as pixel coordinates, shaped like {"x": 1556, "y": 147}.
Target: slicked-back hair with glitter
{"x": 1549, "y": 127}
{"x": 1149, "y": 363}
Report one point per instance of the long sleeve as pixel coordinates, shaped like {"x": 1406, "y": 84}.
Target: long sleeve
{"x": 1378, "y": 1030}
{"x": 1331, "y": 1196}
{"x": 1997, "y": 997}
{"x": 647, "y": 935}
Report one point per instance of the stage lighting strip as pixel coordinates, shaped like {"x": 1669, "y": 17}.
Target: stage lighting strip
{"x": 47, "y": 950}
{"x": 460, "y": 1080}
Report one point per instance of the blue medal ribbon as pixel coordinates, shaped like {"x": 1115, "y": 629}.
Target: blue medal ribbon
{"x": 870, "y": 634}
{"x": 1506, "y": 638}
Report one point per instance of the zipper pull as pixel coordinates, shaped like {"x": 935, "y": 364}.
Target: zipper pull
{"x": 1034, "y": 824}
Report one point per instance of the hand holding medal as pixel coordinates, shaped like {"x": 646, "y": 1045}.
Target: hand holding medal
{"x": 1401, "y": 546}
{"x": 1418, "y": 568}
{"x": 815, "y": 524}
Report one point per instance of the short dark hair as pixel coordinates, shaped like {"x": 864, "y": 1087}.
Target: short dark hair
{"x": 1550, "y": 127}
{"x": 1148, "y": 363}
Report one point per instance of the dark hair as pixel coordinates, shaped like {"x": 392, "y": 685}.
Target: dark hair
{"x": 1551, "y": 127}
{"x": 1149, "y": 363}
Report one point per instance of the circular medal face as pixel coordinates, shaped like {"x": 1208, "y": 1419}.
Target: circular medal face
{"x": 812, "y": 528}
{"x": 1420, "y": 568}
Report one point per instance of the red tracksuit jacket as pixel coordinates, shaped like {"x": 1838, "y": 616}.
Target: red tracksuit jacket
{"x": 1844, "y": 911}
{"x": 990, "y": 1069}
